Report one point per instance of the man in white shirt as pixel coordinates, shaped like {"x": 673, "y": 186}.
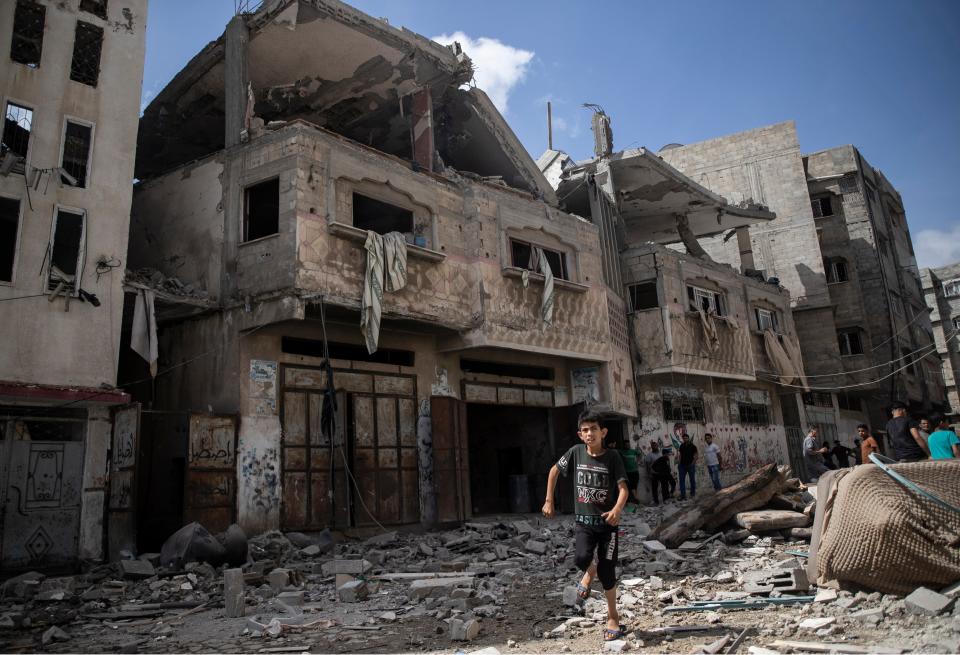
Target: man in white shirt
{"x": 712, "y": 457}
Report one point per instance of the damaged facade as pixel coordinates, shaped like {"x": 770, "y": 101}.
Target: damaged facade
{"x": 841, "y": 245}
{"x": 70, "y": 77}
{"x": 265, "y": 166}
{"x": 941, "y": 288}
{"x": 708, "y": 342}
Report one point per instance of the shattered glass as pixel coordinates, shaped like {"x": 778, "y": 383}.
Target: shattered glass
{"x": 87, "y": 44}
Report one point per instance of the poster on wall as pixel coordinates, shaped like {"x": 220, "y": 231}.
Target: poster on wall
{"x": 586, "y": 385}
{"x": 263, "y": 386}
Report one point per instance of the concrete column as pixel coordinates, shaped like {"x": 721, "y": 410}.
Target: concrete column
{"x": 236, "y": 78}
{"x": 93, "y": 499}
{"x": 422, "y": 127}
{"x": 428, "y": 495}
{"x": 746, "y": 249}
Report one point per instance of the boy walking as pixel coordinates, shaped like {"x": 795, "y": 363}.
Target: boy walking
{"x": 600, "y": 493}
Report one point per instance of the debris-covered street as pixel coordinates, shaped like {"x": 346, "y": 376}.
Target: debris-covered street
{"x": 503, "y": 583}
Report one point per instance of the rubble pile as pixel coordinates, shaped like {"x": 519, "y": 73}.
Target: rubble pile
{"x": 503, "y": 583}
{"x": 154, "y": 279}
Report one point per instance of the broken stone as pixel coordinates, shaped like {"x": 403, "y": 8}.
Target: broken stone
{"x": 291, "y": 598}
{"x": 523, "y": 527}
{"x": 54, "y": 634}
{"x": 848, "y": 602}
{"x": 384, "y": 539}
{"x": 278, "y": 579}
{"x": 310, "y": 551}
{"x": 534, "y": 546}
{"x": 347, "y": 566}
{"x": 926, "y": 601}
{"x": 654, "y": 546}
{"x": 953, "y": 591}
{"x": 817, "y": 623}
{"x": 23, "y": 586}
{"x": 433, "y": 587}
{"x": 353, "y": 592}
{"x": 233, "y": 593}
{"x": 724, "y": 577}
{"x": 136, "y": 569}
{"x": 7, "y": 622}
{"x": 825, "y": 596}
{"x": 425, "y": 549}
{"x": 616, "y": 646}
{"x": 464, "y": 630}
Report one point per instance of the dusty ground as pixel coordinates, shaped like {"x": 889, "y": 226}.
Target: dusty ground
{"x": 518, "y": 601}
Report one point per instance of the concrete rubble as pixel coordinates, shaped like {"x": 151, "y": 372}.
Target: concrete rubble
{"x": 481, "y": 584}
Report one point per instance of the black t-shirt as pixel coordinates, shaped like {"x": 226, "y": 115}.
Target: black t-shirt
{"x": 904, "y": 445}
{"x": 595, "y": 482}
{"x": 687, "y": 452}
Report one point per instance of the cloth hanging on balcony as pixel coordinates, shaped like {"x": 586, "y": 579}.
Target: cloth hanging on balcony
{"x": 781, "y": 361}
{"x": 386, "y": 269}
{"x": 143, "y": 335}
{"x": 538, "y": 260}
{"x": 709, "y": 331}
{"x": 792, "y": 348}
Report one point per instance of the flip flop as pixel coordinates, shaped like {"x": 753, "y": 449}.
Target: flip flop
{"x": 609, "y": 634}
{"x": 583, "y": 593}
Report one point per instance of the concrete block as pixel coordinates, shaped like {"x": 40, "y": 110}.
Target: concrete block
{"x": 353, "y": 592}
{"x": 523, "y": 527}
{"x": 926, "y": 601}
{"x": 461, "y": 630}
{"x": 291, "y": 598}
{"x": 871, "y": 616}
{"x": 278, "y": 579}
{"x": 54, "y": 634}
{"x": 825, "y": 596}
{"x": 434, "y": 587}
{"x": 570, "y": 597}
{"x": 342, "y": 579}
{"x": 534, "y": 546}
{"x": 817, "y": 623}
{"x": 233, "y": 593}
{"x": 654, "y": 546}
{"x": 310, "y": 551}
{"x": 348, "y": 566}
{"x": 616, "y": 646}
{"x": 135, "y": 569}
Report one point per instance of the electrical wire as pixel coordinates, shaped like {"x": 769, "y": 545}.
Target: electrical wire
{"x": 898, "y": 332}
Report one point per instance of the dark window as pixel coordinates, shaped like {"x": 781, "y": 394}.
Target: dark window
{"x": 261, "y": 206}
{"x": 681, "y": 408}
{"x": 17, "y": 126}
{"x": 709, "y": 301}
{"x": 908, "y": 361}
{"x": 95, "y": 7}
{"x": 87, "y": 44}
{"x": 850, "y": 342}
{"x": 836, "y": 271}
{"x": 753, "y": 413}
{"x": 9, "y": 225}
{"x": 26, "y": 46}
{"x": 644, "y": 295}
{"x": 65, "y": 254}
{"x": 314, "y": 348}
{"x": 822, "y": 207}
{"x": 380, "y": 217}
{"x": 76, "y": 153}
{"x": 520, "y": 256}
{"x": 767, "y": 319}
{"x": 506, "y": 370}
{"x": 818, "y": 399}
{"x": 849, "y": 403}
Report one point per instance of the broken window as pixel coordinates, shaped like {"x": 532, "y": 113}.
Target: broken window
{"x": 95, "y": 7}
{"x": 643, "y": 295}
{"x": 87, "y": 44}
{"x": 683, "y": 408}
{"x": 9, "y": 226}
{"x": 951, "y": 288}
{"x": 77, "y": 138}
{"x": 26, "y": 44}
{"x": 709, "y": 301}
{"x": 17, "y": 126}
{"x": 767, "y": 319}
{"x": 521, "y": 253}
{"x": 836, "y": 271}
{"x": 66, "y": 253}
{"x": 261, "y": 210}
{"x": 822, "y": 206}
{"x": 753, "y": 413}
{"x": 850, "y": 342}
{"x": 818, "y": 399}
{"x": 381, "y": 217}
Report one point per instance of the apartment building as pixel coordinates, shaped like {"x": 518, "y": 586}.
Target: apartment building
{"x": 267, "y": 199}
{"x": 70, "y": 81}
{"x": 941, "y": 287}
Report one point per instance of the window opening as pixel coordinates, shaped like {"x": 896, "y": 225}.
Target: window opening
{"x": 381, "y": 217}
{"x": 67, "y": 251}
{"x": 753, "y": 413}
{"x": 767, "y": 319}
{"x": 908, "y": 361}
{"x": 506, "y": 370}
{"x": 520, "y": 252}
{"x": 87, "y": 44}
{"x": 261, "y": 207}
{"x": 644, "y": 295}
{"x": 76, "y": 153}
{"x": 703, "y": 299}
{"x": 849, "y": 403}
{"x": 951, "y": 288}
{"x": 837, "y": 271}
{"x": 683, "y": 408}
{"x": 822, "y": 206}
{"x": 17, "y": 127}
{"x": 26, "y": 44}
{"x": 314, "y": 348}
{"x": 818, "y": 399}
{"x": 850, "y": 342}
{"x": 95, "y": 7}
{"x": 9, "y": 225}
{"x": 956, "y": 323}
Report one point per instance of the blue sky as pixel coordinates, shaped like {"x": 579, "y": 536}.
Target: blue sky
{"x": 883, "y": 75}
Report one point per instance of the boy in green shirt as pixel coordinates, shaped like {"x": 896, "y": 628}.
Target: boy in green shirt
{"x": 600, "y": 493}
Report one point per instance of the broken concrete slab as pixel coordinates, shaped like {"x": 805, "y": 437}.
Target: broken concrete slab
{"x": 464, "y": 630}
{"x": 24, "y": 585}
{"x": 534, "y": 546}
{"x": 926, "y": 601}
{"x": 136, "y": 569}
{"x": 291, "y": 598}
{"x": 770, "y": 519}
{"x": 434, "y": 587}
{"x": 54, "y": 634}
{"x": 654, "y": 546}
{"x": 234, "y": 596}
{"x": 872, "y": 616}
{"x": 952, "y": 591}
{"x": 384, "y": 539}
{"x": 817, "y": 623}
{"x": 278, "y": 579}
{"x": 825, "y": 596}
{"x": 353, "y": 592}
{"x": 346, "y": 567}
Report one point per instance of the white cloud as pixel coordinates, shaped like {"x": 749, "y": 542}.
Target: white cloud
{"x": 560, "y": 124}
{"x": 938, "y": 247}
{"x": 499, "y": 67}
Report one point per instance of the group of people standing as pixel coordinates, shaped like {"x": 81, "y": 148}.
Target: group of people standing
{"x": 910, "y": 440}
{"x": 663, "y": 483}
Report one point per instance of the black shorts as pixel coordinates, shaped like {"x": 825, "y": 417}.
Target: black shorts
{"x": 605, "y": 542}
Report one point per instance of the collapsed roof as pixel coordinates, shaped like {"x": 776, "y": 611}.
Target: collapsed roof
{"x": 327, "y": 63}
{"x": 651, "y": 197}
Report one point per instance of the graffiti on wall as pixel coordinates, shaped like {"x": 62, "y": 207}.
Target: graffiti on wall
{"x": 258, "y": 471}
